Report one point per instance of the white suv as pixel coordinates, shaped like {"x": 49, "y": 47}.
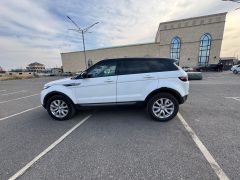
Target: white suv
{"x": 157, "y": 83}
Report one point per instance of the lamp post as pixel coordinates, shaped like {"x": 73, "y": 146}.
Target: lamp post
{"x": 82, "y": 32}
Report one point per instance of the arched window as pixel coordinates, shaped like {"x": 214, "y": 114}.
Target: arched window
{"x": 175, "y": 48}
{"x": 204, "y": 51}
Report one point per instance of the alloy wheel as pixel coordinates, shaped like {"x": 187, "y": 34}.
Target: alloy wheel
{"x": 163, "y": 108}
{"x": 59, "y": 108}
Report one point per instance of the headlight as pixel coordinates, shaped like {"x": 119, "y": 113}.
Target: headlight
{"x": 45, "y": 87}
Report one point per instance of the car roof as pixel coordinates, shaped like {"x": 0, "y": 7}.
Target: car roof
{"x": 140, "y": 58}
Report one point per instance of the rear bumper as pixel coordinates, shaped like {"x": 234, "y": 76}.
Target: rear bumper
{"x": 183, "y": 99}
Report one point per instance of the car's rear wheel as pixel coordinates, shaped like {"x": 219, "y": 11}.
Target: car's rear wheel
{"x": 163, "y": 107}
{"x": 60, "y": 108}
{"x": 235, "y": 71}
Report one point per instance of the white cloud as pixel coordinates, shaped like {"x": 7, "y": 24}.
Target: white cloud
{"x": 38, "y": 30}
{"x": 20, "y": 55}
{"x": 29, "y": 15}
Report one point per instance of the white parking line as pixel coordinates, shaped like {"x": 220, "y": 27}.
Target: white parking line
{"x": 1, "y": 102}
{"x": 2, "y": 90}
{"x": 25, "y": 168}
{"x": 235, "y": 98}
{"x": 1, "y": 119}
{"x": 215, "y": 166}
{"x": 13, "y": 93}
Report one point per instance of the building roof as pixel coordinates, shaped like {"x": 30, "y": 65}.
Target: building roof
{"x": 35, "y": 64}
{"x": 197, "y": 17}
{"x": 122, "y": 46}
{"x": 186, "y": 19}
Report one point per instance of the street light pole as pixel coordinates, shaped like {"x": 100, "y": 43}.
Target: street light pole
{"x": 84, "y": 51}
{"x": 82, "y": 31}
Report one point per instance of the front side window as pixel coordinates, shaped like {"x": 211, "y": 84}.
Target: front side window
{"x": 175, "y": 48}
{"x": 102, "y": 69}
{"x": 204, "y": 51}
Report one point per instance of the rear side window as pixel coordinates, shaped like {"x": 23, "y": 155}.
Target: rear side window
{"x": 135, "y": 66}
{"x": 161, "y": 65}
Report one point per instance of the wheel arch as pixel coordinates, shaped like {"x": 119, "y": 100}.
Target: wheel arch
{"x": 54, "y": 93}
{"x": 171, "y": 91}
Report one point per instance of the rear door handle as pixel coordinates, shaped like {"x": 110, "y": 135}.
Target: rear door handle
{"x": 148, "y": 77}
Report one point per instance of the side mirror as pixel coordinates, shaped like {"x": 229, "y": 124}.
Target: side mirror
{"x": 84, "y": 75}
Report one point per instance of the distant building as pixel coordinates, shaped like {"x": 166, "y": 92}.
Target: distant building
{"x": 1, "y": 69}
{"x": 56, "y": 71}
{"x": 2, "y": 72}
{"x": 193, "y": 41}
{"x": 36, "y": 67}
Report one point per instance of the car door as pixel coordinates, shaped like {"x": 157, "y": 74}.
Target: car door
{"x": 100, "y": 84}
{"x": 135, "y": 80}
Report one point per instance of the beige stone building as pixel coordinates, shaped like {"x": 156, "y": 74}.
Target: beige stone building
{"x": 36, "y": 67}
{"x": 193, "y": 41}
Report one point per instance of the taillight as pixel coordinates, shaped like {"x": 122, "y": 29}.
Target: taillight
{"x": 183, "y": 78}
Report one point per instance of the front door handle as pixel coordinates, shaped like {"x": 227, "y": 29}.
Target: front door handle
{"x": 108, "y": 81}
{"x": 72, "y": 84}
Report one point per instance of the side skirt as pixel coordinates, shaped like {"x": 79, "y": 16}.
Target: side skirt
{"x": 97, "y": 105}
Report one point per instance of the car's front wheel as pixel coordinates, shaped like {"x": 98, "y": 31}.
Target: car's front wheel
{"x": 163, "y": 107}
{"x": 60, "y": 108}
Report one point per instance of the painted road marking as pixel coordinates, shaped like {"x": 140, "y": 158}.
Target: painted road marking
{"x": 235, "y": 98}
{"x": 1, "y": 119}
{"x": 2, "y": 90}
{"x": 1, "y": 102}
{"x": 43, "y": 153}
{"x": 13, "y": 93}
{"x": 215, "y": 166}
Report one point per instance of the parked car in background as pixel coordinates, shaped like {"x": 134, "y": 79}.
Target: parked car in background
{"x": 159, "y": 84}
{"x": 187, "y": 69}
{"x": 209, "y": 67}
{"x": 236, "y": 69}
{"x": 67, "y": 74}
{"x": 78, "y": 73}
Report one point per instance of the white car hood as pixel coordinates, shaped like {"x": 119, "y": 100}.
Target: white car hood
{"x": 59, "y": 82}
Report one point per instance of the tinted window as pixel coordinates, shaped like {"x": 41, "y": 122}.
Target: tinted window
{"x": 161, "y": 65}
{"x": 102, "y": 69}
{"x": 135, "y": 66}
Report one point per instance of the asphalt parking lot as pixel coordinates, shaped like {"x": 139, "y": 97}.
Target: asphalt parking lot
{"x": 122, "y": 143}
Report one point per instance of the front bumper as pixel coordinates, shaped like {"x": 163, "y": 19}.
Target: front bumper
{"x": 43, "y": 94}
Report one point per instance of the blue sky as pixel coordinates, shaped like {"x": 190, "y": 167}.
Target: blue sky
{"x": 38, "y": 30}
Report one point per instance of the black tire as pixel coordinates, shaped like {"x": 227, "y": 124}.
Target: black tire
{"x": 235, "y": 71}
{"x": 70, "y": 105}
{"x": 163, "y": 96}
